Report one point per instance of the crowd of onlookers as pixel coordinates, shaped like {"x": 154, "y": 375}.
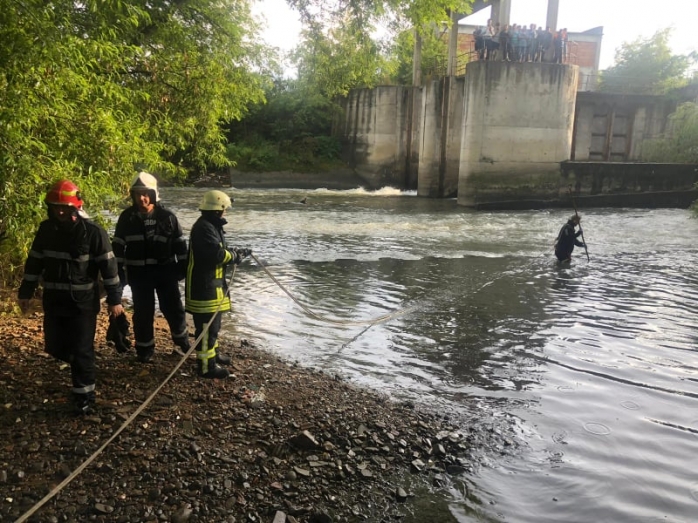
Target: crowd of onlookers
{"x": 517, "y": 43}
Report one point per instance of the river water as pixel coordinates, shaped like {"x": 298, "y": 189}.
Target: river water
{"x": 588, "y": 373}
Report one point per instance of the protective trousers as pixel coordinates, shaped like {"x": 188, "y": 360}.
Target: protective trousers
{"x": 144, "y": 286}
{"x": 207, "y": 346}
{"x": 71, "y": 339}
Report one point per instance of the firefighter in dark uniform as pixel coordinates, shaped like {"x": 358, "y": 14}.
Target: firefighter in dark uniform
{"x": 152, "y": 256}
{"x": 567, "y": 239}
{"x": 206, "y": 295}
{"x": 68, "y": 254}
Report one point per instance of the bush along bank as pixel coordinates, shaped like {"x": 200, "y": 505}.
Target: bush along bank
{"x": 277, "y": 442}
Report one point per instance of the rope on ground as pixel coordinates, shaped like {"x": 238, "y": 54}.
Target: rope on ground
{"x": 130, "y": 419}
{"x": 319, "y": 317}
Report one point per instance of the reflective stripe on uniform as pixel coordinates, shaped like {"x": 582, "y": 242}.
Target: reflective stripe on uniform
{"x": 84, "y": 390}
{"x": 68, "y": 286}
{"x": 66, "y": 256}
{"x": 148, "y": 261}
{"x": 106, "y": 256}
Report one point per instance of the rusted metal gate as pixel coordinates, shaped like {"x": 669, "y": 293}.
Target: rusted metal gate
{"x": 611, "y": 133}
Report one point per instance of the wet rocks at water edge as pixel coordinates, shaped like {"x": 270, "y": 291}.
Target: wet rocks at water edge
{"x": 279, "y": 443}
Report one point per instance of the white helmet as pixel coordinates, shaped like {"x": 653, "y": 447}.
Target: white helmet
{"x": 215, "y": 201}
{"x": 144, "y": 180}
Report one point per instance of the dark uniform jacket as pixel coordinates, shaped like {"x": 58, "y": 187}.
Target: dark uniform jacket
{"x": 567, "y": 239}
{"x": 139, "y": 252}
{"x": 206, "y": 286}
{"x": 70, "y": 261}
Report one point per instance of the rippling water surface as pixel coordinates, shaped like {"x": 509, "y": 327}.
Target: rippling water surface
{"x": 589, "y": 373}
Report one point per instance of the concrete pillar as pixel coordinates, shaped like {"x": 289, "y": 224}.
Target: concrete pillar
{"x": 551, "y": 19}
{"x": 501, "y": 11}
{"x": 505, "y": 12}
{"x": 453, "y": 47}
{"x": 518, "y": 127}
{"x": 417, "y": 59}
{"x": 440, "y": 137}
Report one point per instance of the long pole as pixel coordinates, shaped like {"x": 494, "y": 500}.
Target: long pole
{"x": 579, "y": 221}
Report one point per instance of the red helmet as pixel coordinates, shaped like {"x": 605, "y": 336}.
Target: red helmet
{"x": 64, "y": 192}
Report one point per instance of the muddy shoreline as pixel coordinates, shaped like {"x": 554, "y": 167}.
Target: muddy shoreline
{"x": 275, "y": 443}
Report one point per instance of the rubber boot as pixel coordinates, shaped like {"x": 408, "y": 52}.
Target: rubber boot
{"x": 183, "y": 347}
{"x": 212, "y": 370}
{"x": 144, "y": 355}
{"x": 223, "y": 359}
{"x": 84, "y": 403}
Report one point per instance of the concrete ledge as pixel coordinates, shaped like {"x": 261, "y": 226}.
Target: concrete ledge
{"x": 647, "y": 200}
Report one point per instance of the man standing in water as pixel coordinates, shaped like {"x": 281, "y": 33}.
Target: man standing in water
{"x": 567, "y": 239}
{"x": 152, "y": 256}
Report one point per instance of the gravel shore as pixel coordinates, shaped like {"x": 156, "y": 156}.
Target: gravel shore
{"x": 274, "y": 443}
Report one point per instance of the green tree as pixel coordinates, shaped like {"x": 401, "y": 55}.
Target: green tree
{"x": 434, "y": 55}
{"x": 680, "y": 142}
{"x": 92, "y": 90}
{"x": 647, "y": 66}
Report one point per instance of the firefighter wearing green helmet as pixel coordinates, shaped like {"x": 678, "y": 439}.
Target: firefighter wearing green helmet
{"x": 206, "y": 289}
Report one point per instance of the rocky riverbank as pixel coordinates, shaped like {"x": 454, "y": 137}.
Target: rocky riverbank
{"x": 275, "y": 443}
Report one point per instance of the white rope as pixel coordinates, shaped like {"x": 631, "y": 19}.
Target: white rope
{"x": 130, "y": 419}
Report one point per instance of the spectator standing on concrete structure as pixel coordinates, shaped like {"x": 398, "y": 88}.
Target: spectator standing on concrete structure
{"x": 69, "y": 254}
{"x": 479, "y": 43}
{"x": 152, "y": 256}
{"x": 505, "y": 43}
{"x": 557, "y": 46}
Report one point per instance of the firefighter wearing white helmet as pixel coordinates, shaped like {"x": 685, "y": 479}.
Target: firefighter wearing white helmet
{"x": 152, "y": 255}
{"x": 145, "y": 183}
{"x": 206, "y": 294}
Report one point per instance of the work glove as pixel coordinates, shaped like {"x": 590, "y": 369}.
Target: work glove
{"x": 118, "y": 332}
{"x": 240, "y": 254}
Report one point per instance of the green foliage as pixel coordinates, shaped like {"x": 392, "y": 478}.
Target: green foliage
{"x": 92, "y": 90}
{"x": 332, "y": 61}
{"x": 680, "y": 142}
{"x": 292, "y": 130}
{"x": 434, "y": 55}
{"x": 647, "y": 66}
{"x": 340, "y": 49}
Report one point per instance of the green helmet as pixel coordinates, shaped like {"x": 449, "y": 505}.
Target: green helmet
{"x": 215, "y": 201}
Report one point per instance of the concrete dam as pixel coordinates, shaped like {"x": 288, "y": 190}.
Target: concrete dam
{"x": 509, "y": 135}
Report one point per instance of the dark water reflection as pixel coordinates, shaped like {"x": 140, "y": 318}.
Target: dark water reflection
{"x": 589, "y": 370}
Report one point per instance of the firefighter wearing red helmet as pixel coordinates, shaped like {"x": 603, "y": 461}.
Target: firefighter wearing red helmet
{"x": 68, "y": 255}
{"x": 152, "y": 255}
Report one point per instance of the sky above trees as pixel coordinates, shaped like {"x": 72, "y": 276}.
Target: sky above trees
{"x": 622, "y": 21}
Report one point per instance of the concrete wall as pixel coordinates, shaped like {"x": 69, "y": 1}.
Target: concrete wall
{"x": 518, "y": 121}
{"x": 440, "y": 137}
{"x": 378, "y": 134}
{"x": 613, "y": 127}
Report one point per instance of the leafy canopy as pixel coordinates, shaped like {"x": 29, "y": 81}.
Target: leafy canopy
{"x": 94, "y": 90}
{"x": 647, "y": 66}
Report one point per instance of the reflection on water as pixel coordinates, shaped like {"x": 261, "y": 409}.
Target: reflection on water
{"x": 589, "y": 369}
